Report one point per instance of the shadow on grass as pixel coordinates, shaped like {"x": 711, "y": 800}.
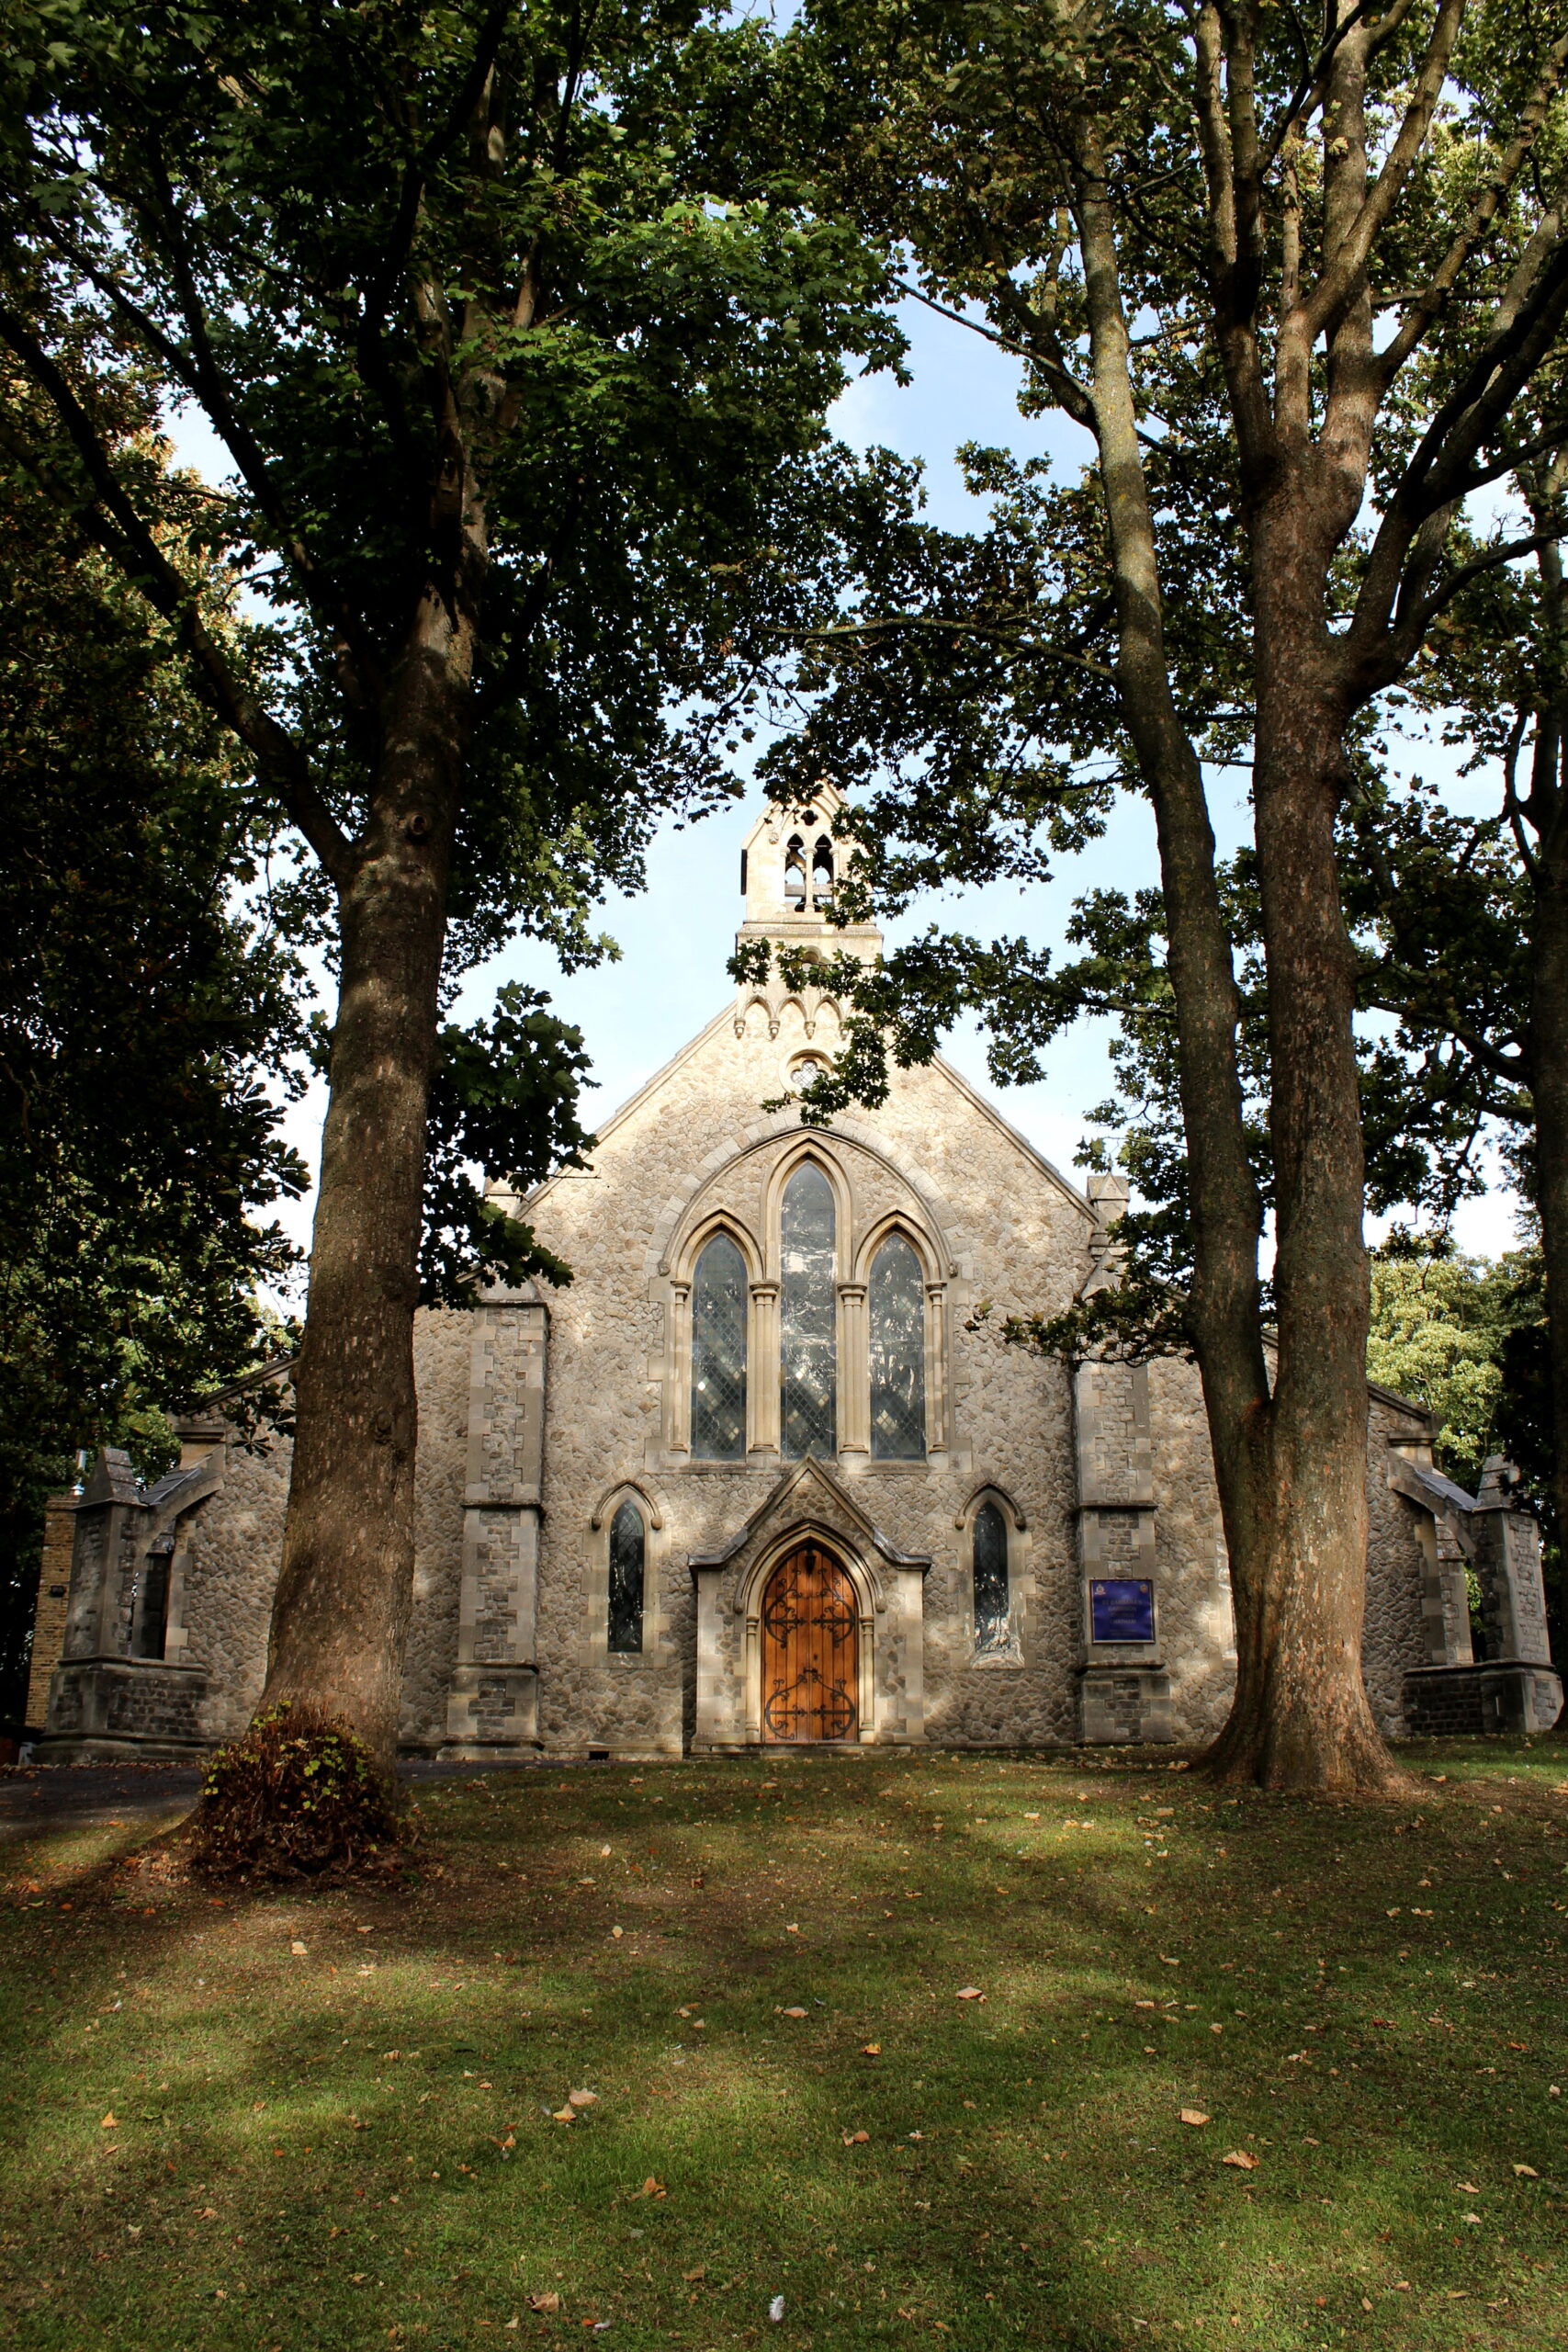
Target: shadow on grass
{"x": 358, "y": 2141}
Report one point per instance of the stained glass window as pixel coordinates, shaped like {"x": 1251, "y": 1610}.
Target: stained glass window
{"x": 627, "y": 1545}
{"x": 897, "y": 1354}
{"x": 718, "y": 1352}
{"x": 808, "y": 1316}
{"x": 992, "y": 1629}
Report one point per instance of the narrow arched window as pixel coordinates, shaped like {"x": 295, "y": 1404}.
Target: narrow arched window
{"x": 628, "y": 1549}
{"x": 718, "y": 1352}
{"x": 898, "y": 1315}
{"x": 795, "y": 871}
{"x": 822, "y": 873}
{"x": 990, "y": 1538}
{"x": 808, "y": 1316}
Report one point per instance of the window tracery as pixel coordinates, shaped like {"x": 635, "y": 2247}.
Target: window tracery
{"x": 629, "y": 1554}
{"x": 993, "y": 1598}
{"x": 896, "y": 1306}
{"x": 718, "y": 1352}
{"x": 808, "y": 1316}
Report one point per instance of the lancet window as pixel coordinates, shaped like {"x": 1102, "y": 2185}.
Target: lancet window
{"x": 896, "y": 1310}
{"x": 795, "y": 871}
{"x": 629, "y": 1554}
{"x": 822, "y": 874}
{"x": 989, "y": 1538}
{"x": 718, "y": 1352}
{"x": 808, "y": 1316}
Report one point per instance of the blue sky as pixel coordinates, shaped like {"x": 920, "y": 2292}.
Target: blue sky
{"x": 675, "y": 936}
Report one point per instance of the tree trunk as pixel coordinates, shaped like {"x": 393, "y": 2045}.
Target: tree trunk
{"x": 1290, "y": 1470}
{"x": 1548, "y": 1084}
{"x": 1300, "y": 1718}
{"x": 340, "y": 1614}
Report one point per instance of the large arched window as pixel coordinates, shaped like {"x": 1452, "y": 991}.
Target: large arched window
{"x": 628, "y": 1550}
{"x": 993, "y": 1629}
{"x": 718, "y": 1352}
{"x": 822, "y": 874}
{"x": 897, "y": 1354}
{"x": 808, "y": 1316}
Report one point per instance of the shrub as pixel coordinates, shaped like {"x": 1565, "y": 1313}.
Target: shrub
{"x": 296, "y": 1796}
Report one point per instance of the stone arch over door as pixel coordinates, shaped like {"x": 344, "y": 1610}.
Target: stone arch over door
{"x": 809, "y": 1650}
{"x": 863, "y": 1593}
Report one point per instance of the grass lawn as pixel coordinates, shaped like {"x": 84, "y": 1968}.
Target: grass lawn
{"x": 292, "y": 2119}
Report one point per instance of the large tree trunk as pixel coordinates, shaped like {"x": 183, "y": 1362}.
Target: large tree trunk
{"x": 1291, "y": 1469}
{"x": 1301, "y": 1717}
{"x": 340, "y": 1615}
{"x": 1548, "y": 1074}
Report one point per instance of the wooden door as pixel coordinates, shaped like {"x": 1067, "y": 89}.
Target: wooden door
{"x": 810, "y": 1650}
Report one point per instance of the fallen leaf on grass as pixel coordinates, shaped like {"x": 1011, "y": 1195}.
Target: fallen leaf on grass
{"x": 617, "y": 1933}
{"x": 1242, "y": 2161}
{"x": 970, "y": 1993}
{"x": 548, "y": 2301}
{"x": 1193, "y": 2115}
{"x": 579, "y": 2098}
{"x": 691, "y": 2276}
{"x": 651, "y": 2187}
{"x": 873, "y": 2050}
{"x": 110, "y": 2123}
{"x": 855, "y": 2139}
{"x": 297, "y": 1949}
{"x": 563, "y": 2115}
{"x": 1471, "y": 2187}
{"x": 1525, "y": 2172}
{"x": 792, "y": 2013}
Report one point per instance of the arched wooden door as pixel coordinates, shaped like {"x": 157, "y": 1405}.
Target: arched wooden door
{"x": 810, "y": 1650}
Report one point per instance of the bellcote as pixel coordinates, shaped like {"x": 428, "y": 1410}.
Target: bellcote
{"x": 789, "y": 870}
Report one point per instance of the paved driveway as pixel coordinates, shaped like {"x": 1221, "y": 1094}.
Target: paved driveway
{"x": 61, "y": 1796}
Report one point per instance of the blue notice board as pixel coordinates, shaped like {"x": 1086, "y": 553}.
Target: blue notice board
{"x": 1122, "y": 1609}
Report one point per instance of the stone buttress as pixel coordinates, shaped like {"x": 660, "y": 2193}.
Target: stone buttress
{"x": 494, "y": 1700}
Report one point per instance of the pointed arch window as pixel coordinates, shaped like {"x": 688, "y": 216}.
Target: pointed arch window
{"x": 808, "y": 1316}
{"x": 897, "y": 1318}
{"x": 628, "y": 1556}
{"x": 795, "y": 871}
{"x": 718, "y": 1352}
{"x": 822, "y": 873}
{"x": 993, "y": 1599}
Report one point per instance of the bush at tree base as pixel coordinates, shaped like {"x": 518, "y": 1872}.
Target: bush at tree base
{"x": 298, "y": 1795}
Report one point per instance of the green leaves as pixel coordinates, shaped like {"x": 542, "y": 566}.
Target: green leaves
{"x": 503, "y": 1100}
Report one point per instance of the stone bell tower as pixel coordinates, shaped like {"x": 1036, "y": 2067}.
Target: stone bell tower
{"x": 789, "y": 868}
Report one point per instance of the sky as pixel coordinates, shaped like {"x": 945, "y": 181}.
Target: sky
{"x": 675, "y": 936}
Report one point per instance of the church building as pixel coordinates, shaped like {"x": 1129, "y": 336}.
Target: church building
{"x": 763, "y": 1473}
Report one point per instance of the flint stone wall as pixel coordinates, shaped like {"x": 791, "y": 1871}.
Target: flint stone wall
{"x": 996, "y": 1225}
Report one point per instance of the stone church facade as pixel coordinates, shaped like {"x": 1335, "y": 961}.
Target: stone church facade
{"x": 762, "y": 1471}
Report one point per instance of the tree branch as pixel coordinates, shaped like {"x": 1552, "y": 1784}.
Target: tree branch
{"x": 126, "y": 536}
{"x": 1483, "y": 212}
{"x": 1347, "y": 268}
